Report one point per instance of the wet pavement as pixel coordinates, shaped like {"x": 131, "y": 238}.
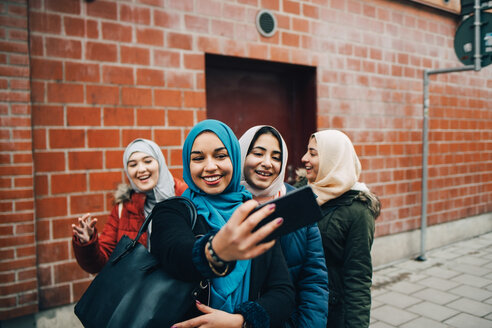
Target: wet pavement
{"x": 452, "y": 288}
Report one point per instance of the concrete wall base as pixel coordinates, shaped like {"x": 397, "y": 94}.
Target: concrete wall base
{"x": 392, "y": 248}
{"x": 386, "y": 250}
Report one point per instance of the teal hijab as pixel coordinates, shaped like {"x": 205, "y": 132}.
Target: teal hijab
{"x": 233, "y": 289}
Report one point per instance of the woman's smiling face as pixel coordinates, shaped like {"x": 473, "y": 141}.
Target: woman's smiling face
{"x": 143, "y": 169}
{"x": 210, "y": 165}
{"x": 264, "y": 162}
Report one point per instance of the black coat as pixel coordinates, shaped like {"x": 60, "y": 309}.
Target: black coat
{"x": 182, "y": 255}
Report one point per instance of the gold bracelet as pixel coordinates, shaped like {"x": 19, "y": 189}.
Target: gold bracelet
{"x": 214, "y": 270}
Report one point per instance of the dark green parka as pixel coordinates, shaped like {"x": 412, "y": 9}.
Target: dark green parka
{"x": 347, "y": 232}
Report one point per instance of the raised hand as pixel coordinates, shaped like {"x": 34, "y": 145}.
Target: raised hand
{"x": 85, "y": 229}
{"x": 236, "y": 241}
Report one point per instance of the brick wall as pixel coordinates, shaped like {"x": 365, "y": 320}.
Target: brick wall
{"x": 103, "y": 73}
{"x": 18, "y": 283}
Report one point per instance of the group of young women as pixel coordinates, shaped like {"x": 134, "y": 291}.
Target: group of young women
{"x": 317, "y": 276}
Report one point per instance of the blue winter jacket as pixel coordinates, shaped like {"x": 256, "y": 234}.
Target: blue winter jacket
{"x": 305, "y": 258}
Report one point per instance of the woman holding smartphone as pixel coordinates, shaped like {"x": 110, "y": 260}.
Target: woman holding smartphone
{"x": 250, "y": 285}
{"x": 264, "y": 159}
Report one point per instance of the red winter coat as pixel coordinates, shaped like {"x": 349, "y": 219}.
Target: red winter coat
{"x": 92, "y": 256}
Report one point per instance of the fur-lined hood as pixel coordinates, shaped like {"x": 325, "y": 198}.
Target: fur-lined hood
{"x": 122, "y": 193}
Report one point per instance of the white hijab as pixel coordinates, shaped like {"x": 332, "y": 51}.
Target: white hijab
{"x": 165, "y": 185}
{"x": 277, "y": 187}
{"x": 339, "y": 167}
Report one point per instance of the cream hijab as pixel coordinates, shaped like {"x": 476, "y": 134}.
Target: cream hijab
{"x": 277, "y": 187}
{"x": 339, "y": 167}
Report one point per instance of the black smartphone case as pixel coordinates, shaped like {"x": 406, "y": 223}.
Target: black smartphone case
{"x": 298, "y": 209}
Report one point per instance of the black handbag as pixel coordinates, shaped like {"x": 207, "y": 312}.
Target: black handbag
{"x": 132, "y": 291}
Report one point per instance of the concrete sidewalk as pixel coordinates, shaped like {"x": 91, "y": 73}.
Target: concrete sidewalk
{"x": 453, "y": 288}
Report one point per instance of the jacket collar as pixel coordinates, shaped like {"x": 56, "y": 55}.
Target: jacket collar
{"x": 344, "y": 199}
{"x": 137, "y": 202}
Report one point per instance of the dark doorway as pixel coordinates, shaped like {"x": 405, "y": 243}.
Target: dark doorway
{"x": 246, "y": 92}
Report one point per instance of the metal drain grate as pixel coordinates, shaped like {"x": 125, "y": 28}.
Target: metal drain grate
{"x": 266, "y": 23}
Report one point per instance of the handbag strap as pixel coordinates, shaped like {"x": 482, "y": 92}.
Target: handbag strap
{"x": 185, "y": 201}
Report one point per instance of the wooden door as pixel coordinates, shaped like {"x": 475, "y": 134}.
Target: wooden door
{"x": 244, "y": 92}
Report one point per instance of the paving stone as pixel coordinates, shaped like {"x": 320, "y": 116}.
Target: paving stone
{"x": 477, "y": 294}
{"x": 406, "y": 287}
{"x": 437, "y": 283}
{"x": 472, "y": 260}
{"x": 380, "y": 324}
{"x": 398, "y": 299}
{"x": 375, "y": 303}
{"x": 423, "y": 323}
{"x": 470, "y": 306}
{"x": 471, "y": 269}
{"x": 441, "y": 272}
{"x": 392, "y": 315}
{"x": 470, "y": 280}
{"x": 466, "y": 320}
{"x": 435, "y": 296}
{"x": 433, "y": 311}
{"x": 488, "y": 317}
{"x": 488, "y": 301}
{"x": 445, "y": 255}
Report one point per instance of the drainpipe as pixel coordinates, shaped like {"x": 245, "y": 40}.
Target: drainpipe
{"x": 425, "y": 126}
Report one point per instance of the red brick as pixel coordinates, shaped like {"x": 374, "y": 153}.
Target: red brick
{"x": 151, "y": 77}
{"x": 118, "y": 116}
{"x": 90, "y": 203}
{"x": 135, "y": 55}
{"x": 117, "y": 75}
{"x": 101, "y": 52}
{"x": 117, "y": 32}
{"x": 176, "y": 158}
{"x": 104, "y": 181}
{"x": 151, "y": 117}
{"x": 102, "y": 95}
{"x": 41, "y": 185}
{"x": 180, "y": 117}
{"x": 49, "y": 161}
{"x": 198, "y": 24}
{"x": 136, "y": 96}
{"x": 24, "y": 182}
{"x": 67, "y": 138}
{"x": 290, "y": 39}
{"x": 17, "y": 288}
{"x": 17, "y": 10}
{"x": 46, "y": 69}
{"x": 85, "y": 160}
{"x": 179, "y": 80}
{"x": 166, "y": 58}
{"x": 28, "y": 298}
{"x": 168, "y": 137}
{"x": 135, "y": 15}
{"x": 47, "y": 115}
{"x": 67, "y": 7}
{"x": 15, "y": 170}
{"x": 81, "y": 72}
{"x": 50, "y": 207}
{"x": 15, "y": 47}
{"x": 44, "y": 23}
{"x": 6, "y": 277}
{"x": 68, "y": 272}
{"x": 179, "y": 41}
{"x": 8, "y": 302}
{"x": 207, "y": 44}
{"x": 65, "y": 93}
{"x": 13, "y": 71}
{"x": 5, "y": 207}
{"x": 19, "y": 84}
{"x": 57, "y": 47}
{"x": 67, "y": 183}
{"x": 16, "y": 194}
{"x": 14, "y": 121}
{"x": 166, "y": 19}
{"x": 194, "y": 99}
{"x": 24, "y": 206}
{"x": 194, "y": 61}
{"x": 26, "y": 251}
{"x": 74, "y": 26}
{"x": 219, "y": 27}
{"x": 291, "y": 7}
{"x": 14, "y": 96}
{"x": 9, "y": 241}
{"x": 102, "y": 9}
{"x": 170, "y": 98}
{"x": 18, "y": 311}
{"x": 17, "y": 264}
{"x": 54, "y": 296}
{"x": 103, "y": 138}
{"x": 83, "y": 116}
{"x": 79, "y": 288}
{"x": 114, "y": 159}
{"x": 132, "y": 134}
{"x": 37, "y": 91}
{"x": 150, "y": 36}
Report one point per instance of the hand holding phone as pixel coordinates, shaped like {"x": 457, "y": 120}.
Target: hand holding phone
{"x": 298, "y": 209}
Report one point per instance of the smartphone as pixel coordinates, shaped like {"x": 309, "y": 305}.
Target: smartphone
{"x": 298, "y": 209}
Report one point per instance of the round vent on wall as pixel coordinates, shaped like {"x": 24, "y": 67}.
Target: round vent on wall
{"x": 266, "y": 23}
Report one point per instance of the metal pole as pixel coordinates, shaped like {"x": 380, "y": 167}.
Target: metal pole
{"x": 425, "y": 125}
